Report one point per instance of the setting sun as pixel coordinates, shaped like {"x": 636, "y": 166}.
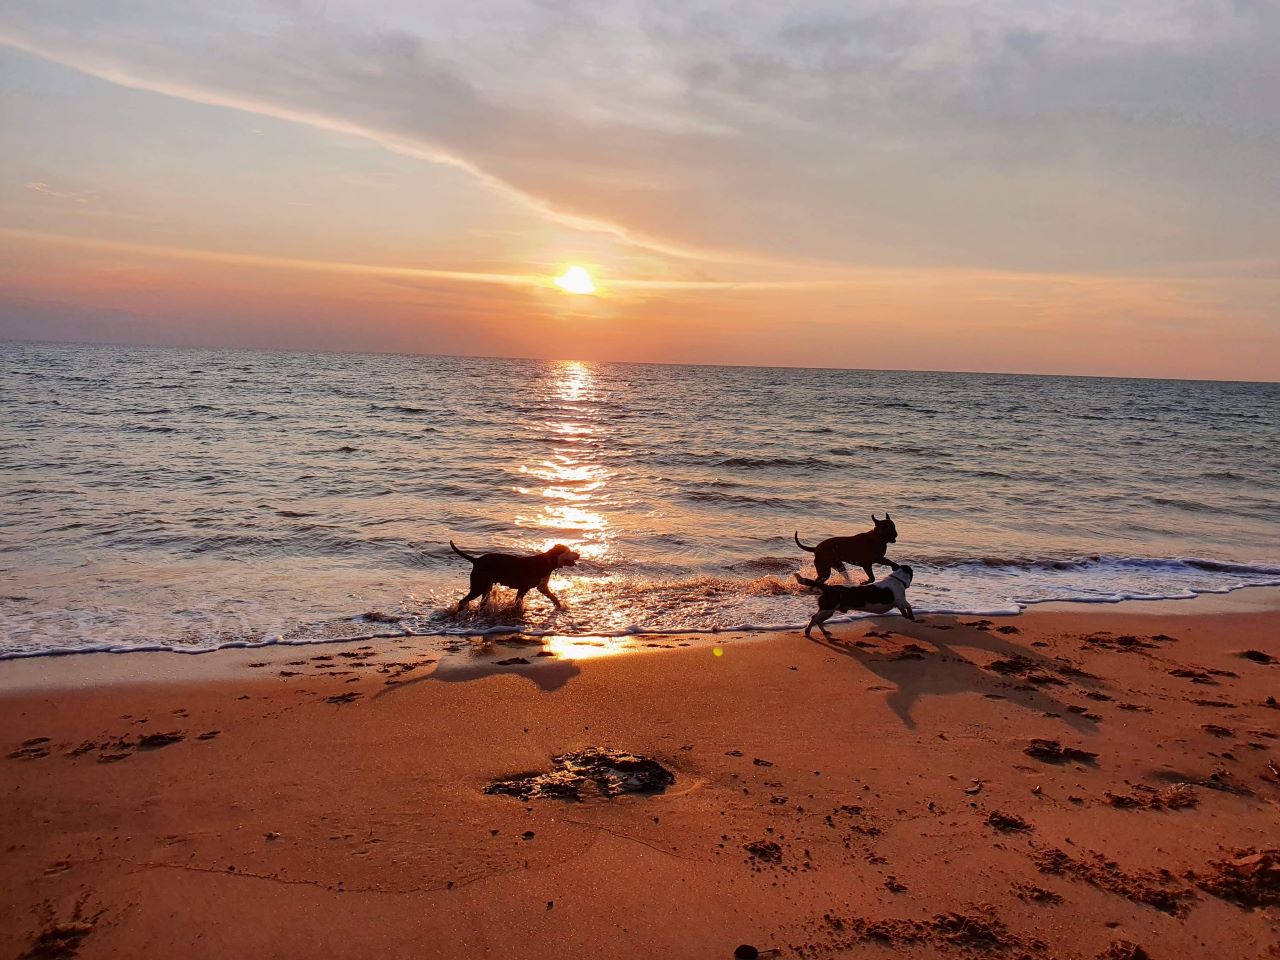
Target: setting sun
{"x": 576, "y": 280}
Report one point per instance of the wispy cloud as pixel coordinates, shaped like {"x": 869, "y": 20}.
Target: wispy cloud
{"x": 977, "y": 285}
{"x": 1044, "y": 136}
{"x": 39, "y": 186}
{"x": 609, "y": 284}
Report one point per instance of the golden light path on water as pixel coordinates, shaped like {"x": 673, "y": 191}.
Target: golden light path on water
{"x": 573, "y": 480}
{"x": 573, "y": 486}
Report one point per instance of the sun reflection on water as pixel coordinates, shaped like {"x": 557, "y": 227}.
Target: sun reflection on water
{"x": 573, "y": 482}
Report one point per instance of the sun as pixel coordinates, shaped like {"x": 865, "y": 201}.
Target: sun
{"x": 576, "y": 280}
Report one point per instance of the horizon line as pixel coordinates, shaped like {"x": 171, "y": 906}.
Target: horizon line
{"x": 635, "y": 363}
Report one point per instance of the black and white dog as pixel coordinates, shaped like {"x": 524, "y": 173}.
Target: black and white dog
{"x": 879, "y": 597}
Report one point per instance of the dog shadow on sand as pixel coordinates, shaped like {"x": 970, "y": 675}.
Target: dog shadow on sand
{"x": 954, "y": 672}
{"x": 476, "y": 656}
{"x": 547, "y": 675}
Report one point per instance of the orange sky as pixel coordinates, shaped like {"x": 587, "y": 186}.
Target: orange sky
{"x": 342, "y": 187}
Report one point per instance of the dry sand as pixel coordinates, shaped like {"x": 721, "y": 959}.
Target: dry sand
{"x": 867, "y": 798}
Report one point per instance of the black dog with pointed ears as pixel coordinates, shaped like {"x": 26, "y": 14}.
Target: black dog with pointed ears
{"x": 863, "y": 550}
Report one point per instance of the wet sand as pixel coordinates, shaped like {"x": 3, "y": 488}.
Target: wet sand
{"x": 871, "y": 797}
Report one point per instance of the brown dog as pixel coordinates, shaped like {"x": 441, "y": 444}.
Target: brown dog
{"x": 862, "y": 550}
{"x": 510, "y": 570}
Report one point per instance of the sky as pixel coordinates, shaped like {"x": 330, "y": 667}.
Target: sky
{"x": 1046, "y": 186}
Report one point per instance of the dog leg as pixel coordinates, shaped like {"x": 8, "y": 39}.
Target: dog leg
{"x": 546, "y": 592}
{"x": 906, "y": 610}
{"x": 469, "y": 597}
{"x": 824, "y": 571}
{"x": 520, "y": 596}
{"x": 819, "y": 620}
{"x": 844, "y": 572}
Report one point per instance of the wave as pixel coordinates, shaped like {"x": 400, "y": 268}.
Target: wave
{"x": 398, "y": 408}
{"x": 759, "y": 565}
{"x": 764, "y": 463}
{"x": 1194, "y": 506}
{"x": 760, "y": 598}
{"x": 1104, "y": 562}
{"x": 898, "y": 449}
{"x": 734, "y": 499}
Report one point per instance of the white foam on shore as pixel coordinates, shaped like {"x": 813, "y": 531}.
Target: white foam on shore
{"x": 983, "y": 588}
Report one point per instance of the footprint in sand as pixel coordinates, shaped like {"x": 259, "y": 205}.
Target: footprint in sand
{"x": 33, "y": 749}
{"x": 1051, "y": 751}
{"x": 1257, "y": 656}
{"x": 113, "y": 750}
{"x": 154, "y": 741}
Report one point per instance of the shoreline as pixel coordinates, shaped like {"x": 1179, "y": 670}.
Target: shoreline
{"x": 81, "y": 668}
{"x": 871, "y": 797}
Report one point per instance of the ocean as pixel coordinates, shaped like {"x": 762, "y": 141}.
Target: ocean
{"x": 155, "y": 498}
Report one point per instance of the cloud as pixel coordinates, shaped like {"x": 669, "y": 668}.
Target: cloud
{"x": 39, "y": 186}
{"x": 1017, "y": 134}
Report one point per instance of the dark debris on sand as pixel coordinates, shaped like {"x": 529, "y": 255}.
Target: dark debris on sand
{"x": 1159, "y": 889}
{"x": 1180, "y": 796}
{"x": 58, "y": 942}
{"x": 1051, "y": 751}
{"x": 1221, "y": 780}
{"x": 765, "y": 850}
{"x": 1106, "y": 641}
{"x": 610, "y": 772}
{"x": 1124, "y": 950}
{"x": 978, "y": 929}
{"x": 1030, "y": 893}
{"x": 1195, "y": 676}
{"x": 1008, "y": 822}
{"x": 1011, "y": 665}
{"x": 1251, "y": 878}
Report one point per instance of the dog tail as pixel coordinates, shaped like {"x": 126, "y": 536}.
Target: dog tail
{"x": 464, "y": 556}
{"x": 801, "y": 545}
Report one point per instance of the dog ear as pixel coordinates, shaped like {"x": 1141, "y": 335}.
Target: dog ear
{"x": 873, "y": 519}
{"x": 886, "y": 515}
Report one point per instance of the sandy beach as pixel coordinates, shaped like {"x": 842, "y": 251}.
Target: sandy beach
{"x": 869, "y": 797}
{"x": 426, "y": 430}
